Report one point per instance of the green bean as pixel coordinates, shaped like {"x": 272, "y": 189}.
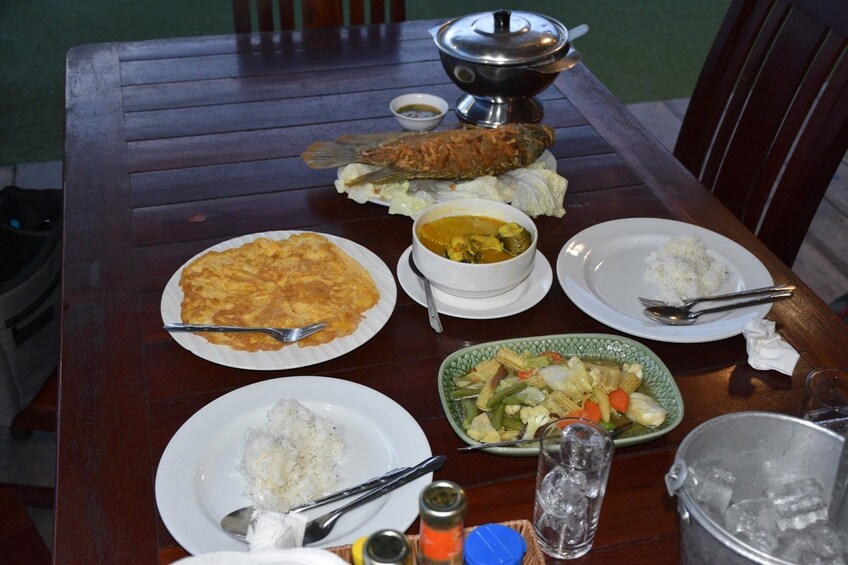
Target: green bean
{"x": 499, "y": 395}
{"x": 496, "y": 416}
{"x": 511, "y": 423}
{"x": 469, "y": 408}
{"x": 458, "y": 393}
{"x": 513, "y": 399}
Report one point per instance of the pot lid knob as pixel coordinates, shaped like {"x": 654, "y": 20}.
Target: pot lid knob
{"x": 501, "y": 20}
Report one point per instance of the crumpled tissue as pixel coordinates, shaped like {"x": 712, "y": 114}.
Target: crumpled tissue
{"x": 766, "y": 349}
{"x": 274, "y": 530}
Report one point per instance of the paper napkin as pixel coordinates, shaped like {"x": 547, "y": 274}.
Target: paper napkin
{"x": 766, "y": 349}
{"x": 273, "y": 530}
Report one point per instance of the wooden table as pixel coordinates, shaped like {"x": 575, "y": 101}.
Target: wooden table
{"x": 173, "y": 146}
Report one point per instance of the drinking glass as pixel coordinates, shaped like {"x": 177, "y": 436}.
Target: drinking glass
{"x": 826, "y": 398}
{"x": 575, "y": 456}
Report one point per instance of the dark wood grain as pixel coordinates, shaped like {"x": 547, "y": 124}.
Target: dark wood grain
{"x": 175, "y": 145}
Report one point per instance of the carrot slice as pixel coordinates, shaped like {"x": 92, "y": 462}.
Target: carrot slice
{"x": 590, "y": 411}
{"x": 620, "y": 400}
{"x": 593, "y": 411}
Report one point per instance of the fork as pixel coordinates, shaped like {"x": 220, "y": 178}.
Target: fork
{"x": 286, "y": 335}
{"x": 648, "y": 302}
{"x": 320, "y": 527}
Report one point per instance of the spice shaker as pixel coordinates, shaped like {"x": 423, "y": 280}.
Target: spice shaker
{"x": 442, "y": 531}
{"x": 387, "y": 547}
{"x": 494, "y": 544}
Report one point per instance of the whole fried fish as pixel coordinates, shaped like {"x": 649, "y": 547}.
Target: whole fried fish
{"x": 459, "y": 154}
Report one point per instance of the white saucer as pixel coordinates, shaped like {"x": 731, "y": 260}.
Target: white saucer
{"x": 524, "y": 296}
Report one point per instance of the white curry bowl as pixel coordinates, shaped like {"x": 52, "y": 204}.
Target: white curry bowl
{"x": 419, "y": 124}
{"x": 469, "y": 280}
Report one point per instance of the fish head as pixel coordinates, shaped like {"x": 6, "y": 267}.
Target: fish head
{"x": 533, "y": 133}
{"x": 544, "y": 134}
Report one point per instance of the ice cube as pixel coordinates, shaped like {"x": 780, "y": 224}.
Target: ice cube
{"x": 584, "y": 447}
{"x": 560, "y": 496}
{"x": 712, "y": 488}
{"x": 753, "y": 522}
{"x": 817, "y": 543}
{"x": 798, "y": 503}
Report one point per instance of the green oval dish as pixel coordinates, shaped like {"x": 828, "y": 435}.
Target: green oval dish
{"x": 656, "y": 379}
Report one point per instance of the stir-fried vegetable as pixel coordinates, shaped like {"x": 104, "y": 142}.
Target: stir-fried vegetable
{"x": 514, "y": 394}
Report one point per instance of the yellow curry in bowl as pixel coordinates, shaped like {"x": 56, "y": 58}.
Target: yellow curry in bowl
{"x": 474, "y": 239}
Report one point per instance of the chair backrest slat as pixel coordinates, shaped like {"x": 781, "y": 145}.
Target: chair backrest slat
{"x": 766, "y": 124}
{"x": 314, "y": 13}
{"x": 777, "y": 73}
{"x": 322, "y": 13}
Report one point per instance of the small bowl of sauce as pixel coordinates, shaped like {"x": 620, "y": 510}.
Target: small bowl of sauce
{"x": 418, "y": 112}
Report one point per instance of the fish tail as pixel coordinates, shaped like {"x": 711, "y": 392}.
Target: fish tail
{"x": 329, "y": 154}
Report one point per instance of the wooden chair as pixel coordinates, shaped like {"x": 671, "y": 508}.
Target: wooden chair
{"x": 315, "y": 13}
{"x": 767, "y": 124}
{"x": 39, "y": 415}
{"x": 20, "y": 541}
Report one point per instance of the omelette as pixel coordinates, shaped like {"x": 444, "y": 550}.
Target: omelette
{"x": 287, "y": 283}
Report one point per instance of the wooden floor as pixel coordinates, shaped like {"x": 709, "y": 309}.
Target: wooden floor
{"x": 822, "y": 264}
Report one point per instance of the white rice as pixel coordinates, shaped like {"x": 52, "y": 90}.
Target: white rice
{"x": 682, "y": 269}
{"x": 292, "y": 461}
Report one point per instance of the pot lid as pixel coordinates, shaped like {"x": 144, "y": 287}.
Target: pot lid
{"x": 503, "y": 37}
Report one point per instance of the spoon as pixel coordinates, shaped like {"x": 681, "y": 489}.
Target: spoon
{"x": 320, "y": 527}
{"x": 721, "y": 297}
{"x": 513, "y": 442}
{"x": 435, "y": 322}
{"x": 236, "y": 522}
{"x": 675, "y": 316}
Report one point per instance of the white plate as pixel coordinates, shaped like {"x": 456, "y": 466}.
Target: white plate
{"x": 198, "y": 483}
{"x": 602, "y": 270}
{"x": 290, "y": 356}
{"x": 524, "y": 296}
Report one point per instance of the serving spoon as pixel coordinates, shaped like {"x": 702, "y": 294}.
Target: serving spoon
{"x": 676, "y": 316}
{"x": 432, "y": 310}
{"x": 516, "y": 442}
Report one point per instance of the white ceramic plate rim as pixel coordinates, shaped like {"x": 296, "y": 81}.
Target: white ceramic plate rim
{"x": 601, "y": 270}
{"x": 291, "y": 356}
{"x": 527, "y": 294}
{"x": 197, "y": 482}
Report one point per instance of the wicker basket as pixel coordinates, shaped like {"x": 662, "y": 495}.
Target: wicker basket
{"x": 533, "y": 555}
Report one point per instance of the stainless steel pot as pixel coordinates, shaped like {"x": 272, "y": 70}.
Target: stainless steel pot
{"x": 502, "y": 60}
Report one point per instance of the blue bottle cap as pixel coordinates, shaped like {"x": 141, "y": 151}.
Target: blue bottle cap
{"x": 494, "y": 544}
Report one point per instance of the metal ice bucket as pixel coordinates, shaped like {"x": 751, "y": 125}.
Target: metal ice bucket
{"x": 737, "y": 442}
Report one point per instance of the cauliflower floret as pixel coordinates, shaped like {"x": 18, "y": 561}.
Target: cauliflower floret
{"x": 512, "y": 409}
{"x": 481, "y": 429}
{"x": 645, "y": 410}
{"x": 535, "y": 417}
{"x": 571, "y": 378}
